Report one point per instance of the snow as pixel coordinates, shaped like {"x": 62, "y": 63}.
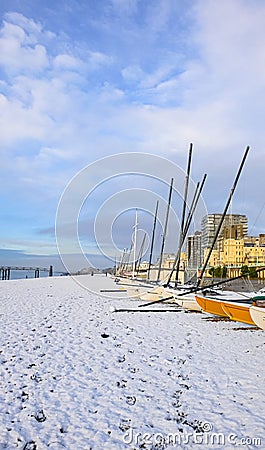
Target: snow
{"x": 78, "y": 374}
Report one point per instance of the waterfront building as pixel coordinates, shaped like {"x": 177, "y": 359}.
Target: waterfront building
{"x": 166, "y": 268}
{"x": 237, "y": 251}
{"x": 194, "y": 254}
{"x": 210, "y": 224}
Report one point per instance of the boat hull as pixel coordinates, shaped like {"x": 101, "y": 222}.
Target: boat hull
{"x": 188, "y": 303}
{"x": 238, "y": 312}
{"x": 211, "y": 306}
{"x": 185, "y": 300}
{"x": 155, "y": 294}
{"x": 258, "y": 316}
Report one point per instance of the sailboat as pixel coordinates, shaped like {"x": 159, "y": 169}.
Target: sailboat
{"x": 135, "y": 287}
{"x": 257, "y": 312}
{"x": 250, "y": 310}
{"x": 165, "y": 292}
{"x": 214, "y": 305}
{"x": 188, "y": 300}
{"x": 238, "y": 311}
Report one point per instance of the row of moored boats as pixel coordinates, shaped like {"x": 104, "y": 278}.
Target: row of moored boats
{"x": 247, "y": 307}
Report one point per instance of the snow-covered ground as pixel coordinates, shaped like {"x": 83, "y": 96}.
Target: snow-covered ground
{"x": 75, "y": 375}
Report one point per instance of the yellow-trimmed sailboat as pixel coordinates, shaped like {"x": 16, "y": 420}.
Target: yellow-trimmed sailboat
{"x": 238, "y": 312}
{"x": 210, "y": 305}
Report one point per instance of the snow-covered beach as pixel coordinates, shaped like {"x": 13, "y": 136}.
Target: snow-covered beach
{"x": 75, "y": 375}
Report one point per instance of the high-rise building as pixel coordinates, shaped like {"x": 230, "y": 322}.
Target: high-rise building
{"x": 194, "y": 250}
{"x": 211, "y": 222}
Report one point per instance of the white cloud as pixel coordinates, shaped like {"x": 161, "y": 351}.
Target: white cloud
{"x": 31, "y": 26}
{"x": 67, "y": 62}
{"x": 109, "y": 93}
{"x": 16, "y": 54}
{"x": 133, "y": 73}
{"x": 230, "y": 36}
{"x": 125, "y": 90}
{"x": 50, "y": 153}
{"x": 149, "y": 80}
{"x": 17, "y": 122}
{"x": 97, "y": 59}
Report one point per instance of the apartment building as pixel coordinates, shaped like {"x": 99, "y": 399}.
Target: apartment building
{"x": 210, "y": 224}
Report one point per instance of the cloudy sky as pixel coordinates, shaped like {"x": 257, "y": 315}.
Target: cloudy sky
{"x": 86, "y": 79}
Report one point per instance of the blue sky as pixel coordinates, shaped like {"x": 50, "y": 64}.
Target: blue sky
{"x": 82, "y": 80}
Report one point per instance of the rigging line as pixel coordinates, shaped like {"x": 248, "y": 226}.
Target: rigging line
{"x": 194, "y": 203}
{"x": 258, "y": 216}
{"x": 134, "y": 243}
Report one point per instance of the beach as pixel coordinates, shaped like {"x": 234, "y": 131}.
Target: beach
{"x": 76, "y": 375}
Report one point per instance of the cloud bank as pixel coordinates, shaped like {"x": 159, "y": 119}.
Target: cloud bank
{"x": 81, "y": 81}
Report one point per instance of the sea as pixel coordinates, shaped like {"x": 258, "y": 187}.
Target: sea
{"x": 24, "y": 274}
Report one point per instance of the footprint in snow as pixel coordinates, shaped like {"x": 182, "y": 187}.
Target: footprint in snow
{"x": 122, "y": 383}
{"x": 40, "y": 416}
{"x": 104, "y": 335}
{"x": 131, "y": 400}
{"x": 125, "y": 424}
{"x": 31, "y": 445}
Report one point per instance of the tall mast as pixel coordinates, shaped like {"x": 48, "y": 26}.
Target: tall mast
{"x": 193, "y": 206}
{"x": 152, "y": 241}
{"x": 140, "y": 253}
{"x": 186, "y": 190}
{"x": 122, "y": 266}
{"x": 128, "y": 258}
{"x": 181, "y": 239}
{"x": 165, "y": 230}
{"x": 135, "y": 243}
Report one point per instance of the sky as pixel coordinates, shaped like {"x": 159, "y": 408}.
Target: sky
{"x": 83, "y": 80}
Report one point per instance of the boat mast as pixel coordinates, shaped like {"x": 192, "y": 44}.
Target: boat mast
{"x": 134, "y": 243}
{"x": 128, "y": 258}
{"x": 140, "y": 253}
{"x": 165, "y": 230}
{"x": 184, "y": 211}
{"x": 152, "y": 241}
{"x": 115, "y": 270}
{"x": 122, "y": 263}
{"x": 193, "y": 206}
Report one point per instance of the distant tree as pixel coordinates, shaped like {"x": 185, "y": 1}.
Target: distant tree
{"x": 244, "y": 270}
{"x": 217, "y": 272}
{"x": 224, "y": 272}
{"x": 220, "y": 272}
